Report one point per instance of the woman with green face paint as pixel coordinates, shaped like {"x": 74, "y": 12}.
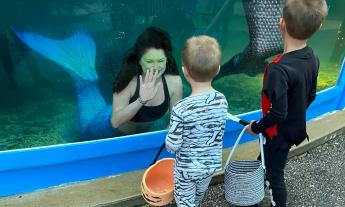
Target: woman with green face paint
{"x": 148, "y": 85}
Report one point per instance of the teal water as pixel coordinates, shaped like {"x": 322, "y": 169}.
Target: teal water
{"x": 38, "y": 100}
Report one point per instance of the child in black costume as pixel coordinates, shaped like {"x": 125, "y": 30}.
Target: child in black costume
{"x": 289, "y": 87}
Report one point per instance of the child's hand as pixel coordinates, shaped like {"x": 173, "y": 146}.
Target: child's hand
{"x": 249, "y": 129}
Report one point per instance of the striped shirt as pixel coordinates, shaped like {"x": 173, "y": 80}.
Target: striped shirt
{"x": 196, "y": 132}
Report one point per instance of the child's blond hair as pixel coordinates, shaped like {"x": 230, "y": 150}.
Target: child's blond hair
{"x": 201, "y": 58}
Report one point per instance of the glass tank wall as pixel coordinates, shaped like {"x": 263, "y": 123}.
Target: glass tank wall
{"x": 39, "y": 100}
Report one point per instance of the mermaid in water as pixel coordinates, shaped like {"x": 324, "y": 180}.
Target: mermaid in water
{"x": 77, "y": 55}
{"x": 148, "y": 85}
{"x": 146, "y": 88}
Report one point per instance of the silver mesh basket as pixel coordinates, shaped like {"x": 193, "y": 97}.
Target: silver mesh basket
{"x": 244, "y": 179}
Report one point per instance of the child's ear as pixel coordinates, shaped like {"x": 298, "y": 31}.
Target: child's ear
{"x": 184, "y": 71}
{"x": 282, "y": 25}
{"x": 186, "y": 74}
{"x": 218, "y": 70}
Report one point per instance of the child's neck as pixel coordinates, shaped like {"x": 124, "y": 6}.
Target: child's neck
{"x": 292, "y": 44}
{"x": 201, "y": 87}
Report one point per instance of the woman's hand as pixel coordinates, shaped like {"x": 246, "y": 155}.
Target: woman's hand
{"x": 148, "y": 85}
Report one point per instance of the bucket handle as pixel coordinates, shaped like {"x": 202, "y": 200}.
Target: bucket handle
{"x": 157, "y": 155}
{"x": 238, "y": 140}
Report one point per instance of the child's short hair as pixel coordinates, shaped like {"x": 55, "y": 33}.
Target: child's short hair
{"x": 304, "y": 17}
{"x": 201, "y": 58}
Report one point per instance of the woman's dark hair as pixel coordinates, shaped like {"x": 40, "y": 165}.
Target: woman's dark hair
{"x": 152, "y": 37}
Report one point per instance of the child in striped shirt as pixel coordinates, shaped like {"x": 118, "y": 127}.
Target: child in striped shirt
{"x": 197, "y": 123}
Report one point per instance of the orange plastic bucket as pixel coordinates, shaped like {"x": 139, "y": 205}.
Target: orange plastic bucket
{"x": 157, "y": 185}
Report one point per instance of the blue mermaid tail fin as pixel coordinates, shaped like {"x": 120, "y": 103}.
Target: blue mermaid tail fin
{"x": 76, "y": 54}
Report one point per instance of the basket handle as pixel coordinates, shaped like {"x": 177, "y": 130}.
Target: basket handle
{"x": 236, "y": 144}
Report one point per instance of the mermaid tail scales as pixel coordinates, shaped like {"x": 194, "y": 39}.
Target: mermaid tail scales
{"x": 77, "y": 56}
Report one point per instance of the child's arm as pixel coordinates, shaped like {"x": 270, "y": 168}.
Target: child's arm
{"x": 275, "y": 88}
{"x": 174, "y": 139}
{"x": 312, "y": 93}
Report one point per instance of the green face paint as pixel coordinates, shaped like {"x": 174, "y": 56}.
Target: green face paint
{"x": 155, "y": 59}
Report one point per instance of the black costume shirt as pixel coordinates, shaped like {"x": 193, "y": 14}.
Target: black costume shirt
{"x": 290, "y": 86}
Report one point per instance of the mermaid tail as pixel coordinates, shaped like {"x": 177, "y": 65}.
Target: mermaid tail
{"x": 264, "y": 37}
{"x": 94, "y": 113}
{"x": 263, "y": 16}
{"x": 77, "y": 56}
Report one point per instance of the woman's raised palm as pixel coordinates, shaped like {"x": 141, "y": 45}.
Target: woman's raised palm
{"x": 148, "y": 85}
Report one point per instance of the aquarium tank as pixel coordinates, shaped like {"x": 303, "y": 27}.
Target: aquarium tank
{"x": 40, "y": 101}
